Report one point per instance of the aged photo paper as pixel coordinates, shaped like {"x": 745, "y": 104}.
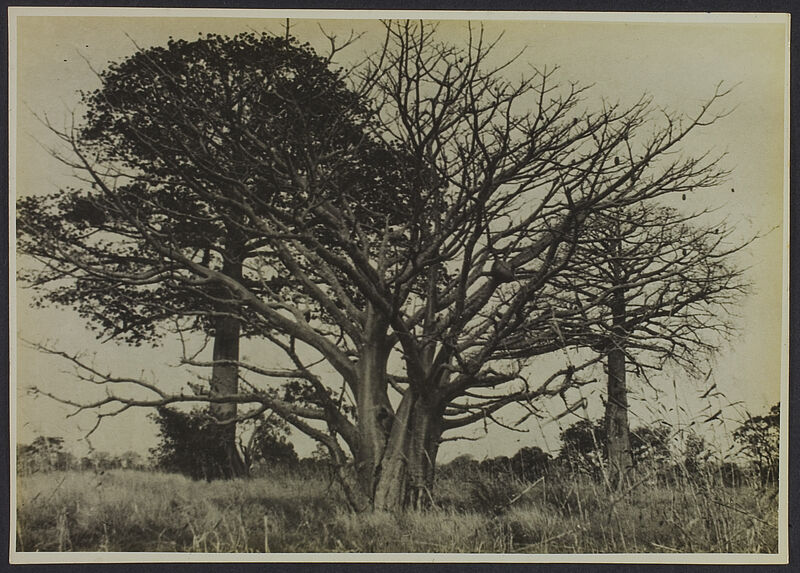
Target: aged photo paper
{"x": 348, "y": 286}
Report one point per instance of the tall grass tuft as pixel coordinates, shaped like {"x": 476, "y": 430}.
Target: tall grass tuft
{"x": 125, "y": 510}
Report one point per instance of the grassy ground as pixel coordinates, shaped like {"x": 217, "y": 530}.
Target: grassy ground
{"x": 138, "y": 511}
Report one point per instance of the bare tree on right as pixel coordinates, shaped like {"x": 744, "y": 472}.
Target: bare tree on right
{"x": 651, "y": 286}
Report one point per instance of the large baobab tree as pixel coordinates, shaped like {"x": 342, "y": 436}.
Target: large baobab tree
{"x": 421, "y": 256}
{"x": 648, "y": 285}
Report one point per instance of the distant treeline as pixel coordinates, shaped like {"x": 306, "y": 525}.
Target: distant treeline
{"x": 188, "y": 441}
{"x": 47, "y": 453}
{"x": 655, "y": 451}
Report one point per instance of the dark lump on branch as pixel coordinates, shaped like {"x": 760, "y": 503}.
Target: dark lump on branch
{"x": 502, "y": 272}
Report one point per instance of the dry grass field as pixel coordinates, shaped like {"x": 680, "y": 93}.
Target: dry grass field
{"x": 125, "y": 510}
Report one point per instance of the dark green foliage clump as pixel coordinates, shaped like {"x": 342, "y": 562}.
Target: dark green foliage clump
{"x": 528, "y": 464}
{"x": 193, "y": 444}
{"x": 269, "y": 444}
{"x": 759, "y": 437}
{"x": 583, "y": 446}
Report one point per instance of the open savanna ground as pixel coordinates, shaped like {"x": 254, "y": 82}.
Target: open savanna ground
{"x": 126, "y": 510}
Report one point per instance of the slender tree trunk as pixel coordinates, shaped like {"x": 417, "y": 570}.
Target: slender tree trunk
{"x": 374, "y": 411}
{"x": 225, "y": 381}
{"x": 618, "y": 441}
{"x": 225, "y": 377}
{"x": 617, "y": 431}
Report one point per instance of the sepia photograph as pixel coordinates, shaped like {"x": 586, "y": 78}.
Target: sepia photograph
{"x": 398, "y": 286}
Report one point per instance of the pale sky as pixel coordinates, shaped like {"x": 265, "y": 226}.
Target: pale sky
{"x": 678, "y": 63}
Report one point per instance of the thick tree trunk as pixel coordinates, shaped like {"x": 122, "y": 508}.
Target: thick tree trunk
{"x": 618, "y": 441}
{"x": 407, "y": 470}
{"x": 405, "y": 479}
{"x": 396, "y": 453}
